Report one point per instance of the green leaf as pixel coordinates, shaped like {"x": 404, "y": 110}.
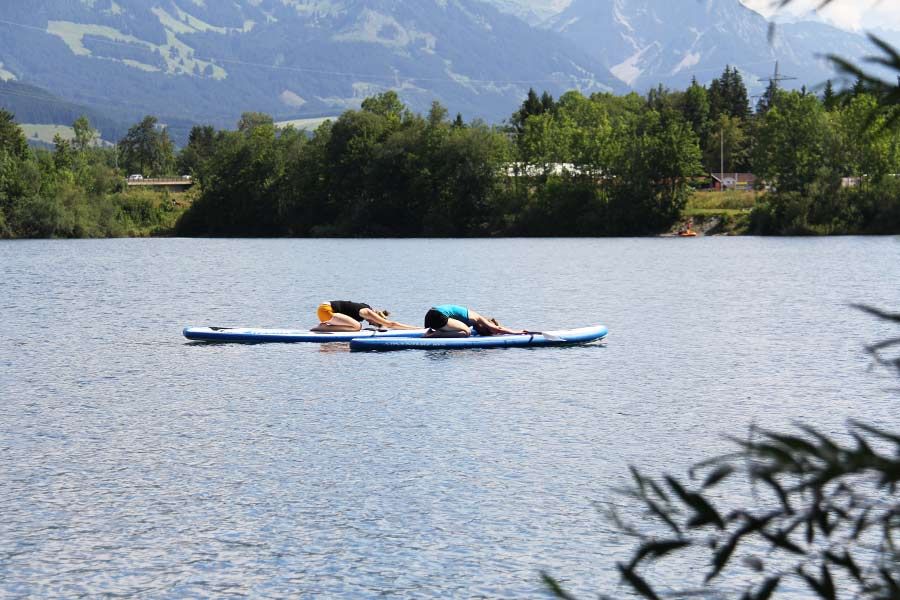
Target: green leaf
{"x": 638, "y": 478}
{"x": 722, "y": 556}
{"x": 659, "y": 512}
{"x": 767, "y": 589}
{"x": 705, "y": 512}
{"x": 717, "y": 476}
{"x": 781, "y": 540}
{"x": 657, "y": 550}
{"x": 637, "y": 583}
{"x": 779, "y": 491}
{"x": 555, "y": 588}
{"x": 878, "y": 313}
{"x": 862, "y": 523}
{"x": 828, "y": 583}
{"x": 812, "y": 582}
{"x": 885, "y": 435}
{"x": 846, "y": 561}
{"x": 825, "y": 442}
{"x": 794, "y": 443}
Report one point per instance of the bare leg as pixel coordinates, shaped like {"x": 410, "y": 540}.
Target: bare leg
{"x": 338, "y": 322}
{"x": 453, "y": 329}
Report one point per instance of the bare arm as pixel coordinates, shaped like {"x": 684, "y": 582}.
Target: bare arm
{"x": 375, "y": 319}
{"x": 486, "y": 324}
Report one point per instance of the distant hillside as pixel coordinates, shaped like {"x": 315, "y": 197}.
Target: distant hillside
{"x": 196, "y": 61}
{"x": 211, "y": 61}
{"x": 31, "y": 104}
{"x": 37, "y": 106}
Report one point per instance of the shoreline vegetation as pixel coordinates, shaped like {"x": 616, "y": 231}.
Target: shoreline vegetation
{"x": 602, "y": 165}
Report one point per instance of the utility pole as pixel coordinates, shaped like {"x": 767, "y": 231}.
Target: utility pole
{"x": 772, "y": 89}
{"x": 722, "y": 157}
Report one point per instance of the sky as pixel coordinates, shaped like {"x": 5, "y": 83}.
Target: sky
{"x": 856, "y": 15}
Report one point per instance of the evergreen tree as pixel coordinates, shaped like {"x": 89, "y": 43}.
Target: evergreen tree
{"x": 547, "y": 103}
{"x": 84, "y": 133}
{"x": 437, "y": 115}
{"x": 658, "y": 98}
{"x": 63, "y": 154}
{"x": 147, "y": 149}
{"x": 194, "y": 158}
{"x": 12, "y": 139}
{"x": 768, "y": 99}
{"x": 530, "y": 106}
{"x": 829, "y": 98}
{"x": 695, "y": 108}
{"x": 728, "y": 96}
{"x": 738, "y": 102}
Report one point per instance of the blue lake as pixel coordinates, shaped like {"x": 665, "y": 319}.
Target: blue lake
{"x": 137, "y": 463}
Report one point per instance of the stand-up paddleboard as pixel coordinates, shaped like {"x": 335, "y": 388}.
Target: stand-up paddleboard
{"x": 253, "y": 335}
{"x": 549, "y": 338}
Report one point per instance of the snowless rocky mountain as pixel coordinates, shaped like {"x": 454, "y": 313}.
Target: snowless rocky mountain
{"x": 209, "y": 61}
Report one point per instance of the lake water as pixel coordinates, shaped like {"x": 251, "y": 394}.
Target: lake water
{"x": 136, "y": 463}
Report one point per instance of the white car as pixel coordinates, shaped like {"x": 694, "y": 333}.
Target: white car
{"x": 135, "y": 177}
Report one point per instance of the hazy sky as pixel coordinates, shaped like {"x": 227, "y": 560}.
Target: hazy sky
{"x": 849, "y": 14}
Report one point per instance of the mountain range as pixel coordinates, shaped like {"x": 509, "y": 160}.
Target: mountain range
{"x": 202, "y": 61}
{"x": 647, "y": 42}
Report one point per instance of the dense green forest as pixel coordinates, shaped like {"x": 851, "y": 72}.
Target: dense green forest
{"x": 602, "y": 165}
{"x": 75, "y": 190}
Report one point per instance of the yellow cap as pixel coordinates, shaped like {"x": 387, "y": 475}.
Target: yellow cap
{"x": 324, "y": 312}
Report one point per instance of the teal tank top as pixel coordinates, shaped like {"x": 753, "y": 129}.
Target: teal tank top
{"x": 454, "y": 311}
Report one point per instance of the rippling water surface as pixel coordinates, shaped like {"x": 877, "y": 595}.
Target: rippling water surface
{"x": 136, "y": 463}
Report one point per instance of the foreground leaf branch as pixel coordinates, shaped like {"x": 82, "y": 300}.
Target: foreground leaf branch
{"x": 826, "y": 514}
{"x": 782, "y": 509}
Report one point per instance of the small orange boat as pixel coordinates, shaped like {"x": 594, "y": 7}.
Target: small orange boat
{"x": 687, "y": 233}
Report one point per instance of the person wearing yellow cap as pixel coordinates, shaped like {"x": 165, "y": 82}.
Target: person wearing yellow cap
{"x": 452, "y": 320}
{"x": 343, "y": 315}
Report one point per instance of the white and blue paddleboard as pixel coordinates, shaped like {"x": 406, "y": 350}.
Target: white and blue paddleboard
{"x": 252, "y": 335}
{"x": 564, "y": 337}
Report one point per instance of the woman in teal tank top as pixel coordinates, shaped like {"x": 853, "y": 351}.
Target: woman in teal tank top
{"x": 453, "y": 320}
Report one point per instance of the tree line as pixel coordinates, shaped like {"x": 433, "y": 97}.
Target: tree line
{"x": 598, "y": 165}
{"x": 75, "y": 190}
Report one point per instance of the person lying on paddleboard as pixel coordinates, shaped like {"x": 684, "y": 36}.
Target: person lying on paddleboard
{"x": 450, "y": 320}
{"x": 343, "y": 315}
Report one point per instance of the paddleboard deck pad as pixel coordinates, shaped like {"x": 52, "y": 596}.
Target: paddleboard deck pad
{"x": 251, "y": 335}
{"x": 565, "y": 337}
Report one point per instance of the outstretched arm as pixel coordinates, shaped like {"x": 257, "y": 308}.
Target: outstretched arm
{"x": 483, "y": 323}
{"x": 375, "y": 319}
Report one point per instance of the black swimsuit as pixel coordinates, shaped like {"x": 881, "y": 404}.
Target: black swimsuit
{"x": 351, "y": 309}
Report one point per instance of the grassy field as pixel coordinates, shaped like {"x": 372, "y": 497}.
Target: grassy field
{"x": 721, "y": 213}
{"x": 45, "y": 133}
{"x": 305, "y": 124}
{"x": 722, "y": 201}
{"x": 713, "y": 212}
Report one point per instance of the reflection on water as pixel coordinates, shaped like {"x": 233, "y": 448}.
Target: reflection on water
{"x": 137, "y": 463}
